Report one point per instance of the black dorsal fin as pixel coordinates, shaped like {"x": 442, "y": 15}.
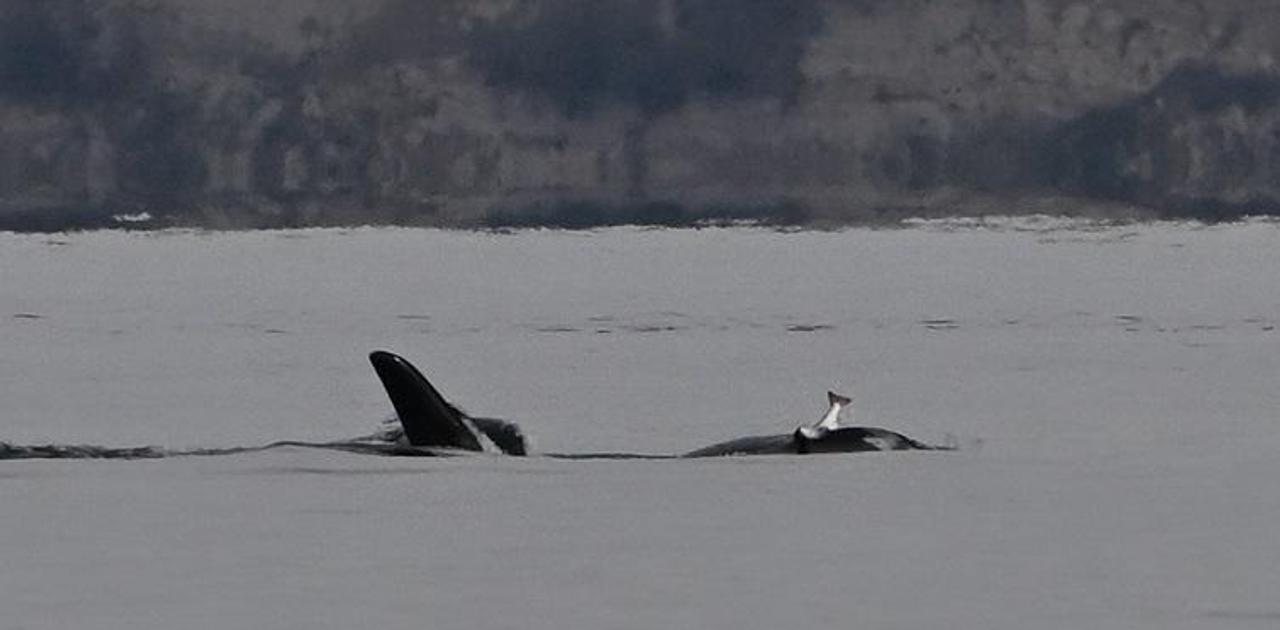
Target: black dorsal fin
{"x": 428, "y": 419}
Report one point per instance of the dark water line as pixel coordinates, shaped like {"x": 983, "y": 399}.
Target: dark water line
{"x": 609, "y": 456}
{"x": 85, "y": 451}
{"x": 385, "y": 449}
{"x": 79, "y": 451}
{"x": 388, "y": 449}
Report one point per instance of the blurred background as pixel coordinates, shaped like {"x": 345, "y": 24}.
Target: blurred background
{"x": 490, "y": 113}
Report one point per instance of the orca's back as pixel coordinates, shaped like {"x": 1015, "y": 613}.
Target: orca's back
{"x": 754, "y": 445}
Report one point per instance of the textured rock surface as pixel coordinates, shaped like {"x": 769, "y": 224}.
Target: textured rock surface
{"x": 236, "y": 114}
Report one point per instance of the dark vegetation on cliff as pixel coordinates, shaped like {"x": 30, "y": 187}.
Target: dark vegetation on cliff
{"x": 670, "y": 112}
{"x": 1145, "y": 150}
{"x": 585, "y": 55}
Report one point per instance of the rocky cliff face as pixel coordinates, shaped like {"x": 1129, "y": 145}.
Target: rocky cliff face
{"x": 572, "y": 112}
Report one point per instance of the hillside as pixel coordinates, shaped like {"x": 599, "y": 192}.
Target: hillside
{"x": 565, "y": 112}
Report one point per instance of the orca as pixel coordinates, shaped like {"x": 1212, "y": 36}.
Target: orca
{"x": 431, "y": 426}
{"x": 430, "y": 422}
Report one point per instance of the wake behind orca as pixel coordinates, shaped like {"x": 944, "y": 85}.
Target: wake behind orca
{"x": 430, "y": 426}
{"x": 429, "y": 421}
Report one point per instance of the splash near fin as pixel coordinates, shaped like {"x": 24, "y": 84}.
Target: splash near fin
{"x": 428, "y": 419}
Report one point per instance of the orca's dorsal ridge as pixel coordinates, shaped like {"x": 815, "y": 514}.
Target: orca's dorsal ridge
{"x": 427, "y": 418}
